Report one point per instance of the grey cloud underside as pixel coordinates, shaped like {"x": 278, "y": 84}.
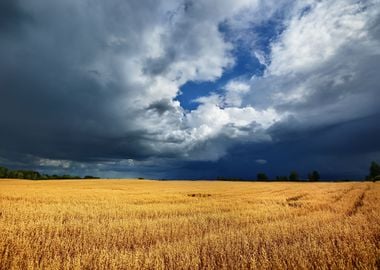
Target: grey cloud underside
{"x": 96, "y": 82}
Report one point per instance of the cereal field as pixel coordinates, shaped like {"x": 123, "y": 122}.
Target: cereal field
{"x": 142, "y": 224}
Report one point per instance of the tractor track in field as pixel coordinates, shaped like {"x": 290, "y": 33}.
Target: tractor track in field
{"x": 343, "y": 194}
{"x": 358, "y": 203}
{"x": 294, "y": 200}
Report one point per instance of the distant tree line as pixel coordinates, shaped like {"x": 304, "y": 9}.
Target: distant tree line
{"x": 293, "y": 176}
{"x": 34, "y": 175}
{"x": 222, "y": 178}
{"x": 374, "y": 175}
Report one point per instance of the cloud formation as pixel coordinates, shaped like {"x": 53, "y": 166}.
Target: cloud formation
{"x": 95, "y": 85}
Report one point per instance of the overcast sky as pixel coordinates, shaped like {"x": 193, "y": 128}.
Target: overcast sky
{"x": 190, "y": 89}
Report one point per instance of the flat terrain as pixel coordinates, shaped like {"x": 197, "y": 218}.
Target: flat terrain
{"x": 132, "y": 224}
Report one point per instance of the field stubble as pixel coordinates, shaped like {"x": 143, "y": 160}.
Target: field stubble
{"x": 131, "y": 224}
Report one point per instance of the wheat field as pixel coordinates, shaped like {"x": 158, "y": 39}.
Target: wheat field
{"x": 134, "y": 224}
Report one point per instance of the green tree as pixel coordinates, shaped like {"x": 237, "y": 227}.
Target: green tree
{"x": 314, "y": 176}
{"x": 11, "y": 174}
{"x": 94, "y": 177}
{"x": 3, "y": 172}
{"x": 374, "y": 170}
{"x": 20, "y": 175}
{"x": 294, "y": 176}
{"x": 262, "y": 176}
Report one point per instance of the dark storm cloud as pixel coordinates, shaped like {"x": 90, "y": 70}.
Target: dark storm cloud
{"x": 12, "y": 16}
{"x": 52, "y": 104}
{"x": 352, "y": 137}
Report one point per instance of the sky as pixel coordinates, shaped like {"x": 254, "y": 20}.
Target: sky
{"x": 182, "y": 89}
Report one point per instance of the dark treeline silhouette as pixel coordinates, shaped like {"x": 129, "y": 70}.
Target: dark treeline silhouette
{"x": 262, "y": 177}
{"x": 374, "y": 172}
{"x": 374, "y": 175}
{"x": 293, "y": 176}
{"x": 314, "y": 176}
{"x": 221, "y": 178}
{"x": 34, "y": 175}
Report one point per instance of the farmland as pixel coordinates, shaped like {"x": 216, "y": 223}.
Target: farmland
{"x": 142, "y": 224}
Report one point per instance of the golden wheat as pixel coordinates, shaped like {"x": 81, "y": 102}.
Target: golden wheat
{"x": 130, "y": 224}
